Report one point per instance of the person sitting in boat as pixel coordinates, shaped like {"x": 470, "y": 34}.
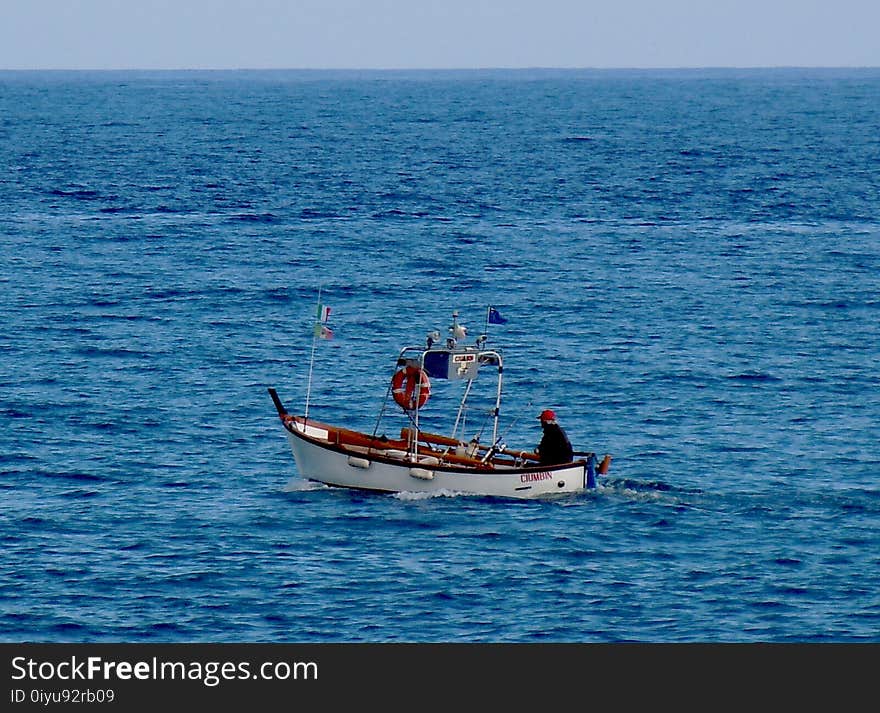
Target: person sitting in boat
{"x": 554, "y": 447}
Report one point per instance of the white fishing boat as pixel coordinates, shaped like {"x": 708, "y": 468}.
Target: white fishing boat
{"x": 422, "y": 461}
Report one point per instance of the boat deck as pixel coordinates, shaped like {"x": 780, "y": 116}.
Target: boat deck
{"x": 433, "y": 449}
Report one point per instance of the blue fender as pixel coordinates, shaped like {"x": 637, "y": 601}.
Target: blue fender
{"x": 591, "y": 471}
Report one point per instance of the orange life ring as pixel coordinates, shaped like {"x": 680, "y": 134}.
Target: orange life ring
{"x": 406, "y": 384}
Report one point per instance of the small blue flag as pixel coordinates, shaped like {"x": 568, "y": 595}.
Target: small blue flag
{"x": 495, "y": 317}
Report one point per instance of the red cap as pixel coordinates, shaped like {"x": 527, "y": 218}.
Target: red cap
{"x": 547, "y": 415}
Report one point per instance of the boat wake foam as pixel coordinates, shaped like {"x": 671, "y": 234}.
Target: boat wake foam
{"x": 650, "y": 491}
{"x": 442, "y": 493}
{"x": 296, "y": 485}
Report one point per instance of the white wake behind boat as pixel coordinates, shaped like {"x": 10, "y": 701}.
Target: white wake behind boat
{"x": 424, "y": 462}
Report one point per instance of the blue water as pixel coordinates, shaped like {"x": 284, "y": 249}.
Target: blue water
{"x": 689, "y": 262}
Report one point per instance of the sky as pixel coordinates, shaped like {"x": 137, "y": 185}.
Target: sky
{"x": 437, "y": 34}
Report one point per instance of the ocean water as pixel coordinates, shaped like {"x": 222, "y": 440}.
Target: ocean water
{"x": 689, "y": 263}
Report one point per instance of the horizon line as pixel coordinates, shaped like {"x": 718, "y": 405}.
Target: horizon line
{"x": 535, "y": 68}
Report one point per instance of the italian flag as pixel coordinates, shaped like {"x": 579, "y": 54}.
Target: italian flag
{"x": 323, "y": 332}
{"x": 323, "y": 313}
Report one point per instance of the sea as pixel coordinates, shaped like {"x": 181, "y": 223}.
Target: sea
{"x": 688, "y": 263}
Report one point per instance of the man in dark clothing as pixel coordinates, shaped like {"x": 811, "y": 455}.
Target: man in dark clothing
{"x": 554, "y": 447}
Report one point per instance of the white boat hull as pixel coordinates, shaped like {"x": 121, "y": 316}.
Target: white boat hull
{"x": 381, "y": 472}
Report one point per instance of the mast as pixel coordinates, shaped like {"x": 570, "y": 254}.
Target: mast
{"x": 312, "y": 361}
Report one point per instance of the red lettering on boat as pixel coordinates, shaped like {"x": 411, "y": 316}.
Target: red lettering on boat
{"x": 531, "y": 477}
